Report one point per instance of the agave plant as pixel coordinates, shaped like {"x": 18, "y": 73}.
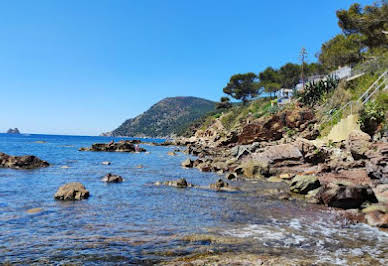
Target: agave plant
{"x": 314, "y": 91}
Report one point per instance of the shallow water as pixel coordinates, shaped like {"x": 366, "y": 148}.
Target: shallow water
{"x": 137, "y": 223}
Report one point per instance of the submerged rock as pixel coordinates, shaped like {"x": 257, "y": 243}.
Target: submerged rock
{"x": 179, "y": 183}
{"x": 21, "y": 162}
{"x": 34, "y": 210}
{"x": 121, "y": 146}
{"x": 171, "y": 153}
{"x": 72, "y": 191}
{"x": 220, "y": 184}
{"x": 110, "y": 178}
{"x": 302, "y": 184}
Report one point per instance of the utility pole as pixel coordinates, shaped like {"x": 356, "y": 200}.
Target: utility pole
{"x": 303, "y": 55}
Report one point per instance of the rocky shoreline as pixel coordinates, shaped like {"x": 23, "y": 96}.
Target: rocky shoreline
{"x": 351, "y": 175}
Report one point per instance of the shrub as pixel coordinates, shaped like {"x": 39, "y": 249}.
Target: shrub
{"x": 314, "y": 91}
{"x": 370, "y": 117}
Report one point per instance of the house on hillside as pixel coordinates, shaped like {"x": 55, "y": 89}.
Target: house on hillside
{"x": 284, "y": 95}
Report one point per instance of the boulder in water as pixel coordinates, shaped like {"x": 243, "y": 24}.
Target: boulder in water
{"x": 121, "y": 146}
{"x": 21, "y": 162}
{"x": 110, "y": 178}
{"x": 188, "y": 163}
{"x": 179, "y": 183}
{"x": 219, "y": 185}
{"x": 72, "y": 191}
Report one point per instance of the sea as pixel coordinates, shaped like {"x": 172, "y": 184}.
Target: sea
{"x": 136, "y": 222}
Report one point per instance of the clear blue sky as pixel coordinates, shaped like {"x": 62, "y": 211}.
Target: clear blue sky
{"x": 83, "y": 67}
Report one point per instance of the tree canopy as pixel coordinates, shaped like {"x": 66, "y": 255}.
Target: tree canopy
{"x": 370, "y": 21}
{"x": 289, "y": 75}
{"x": 270, "y": 80}
{"x": 242, "y": 86}
{"x": 224, "y": 103}
{"x": 341, "y": 50}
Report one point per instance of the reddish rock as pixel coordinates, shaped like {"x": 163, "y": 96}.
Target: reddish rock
{"x": 345, "y": 197}
{"x": 377, "y": 218}
{"x": 377, "y": 165}
{"x": 381, "y": 192}
{"x": 273, "y": 128}
{"x": 359, "y": 144}
{"x": 354, "y": 177}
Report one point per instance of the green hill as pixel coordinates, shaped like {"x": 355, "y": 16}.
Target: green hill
{"x": 165, "y": 118}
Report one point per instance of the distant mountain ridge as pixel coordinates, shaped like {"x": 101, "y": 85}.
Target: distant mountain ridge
{"x": 165, "y": 118}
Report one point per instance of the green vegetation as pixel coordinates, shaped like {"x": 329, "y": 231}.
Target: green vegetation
{"x": 371, "y": 22}
{"x": 242, "y": 86}
{"x": 255, "y": 109}
{"x": 270, "y": 80}
{"x": 358, "y": 86}
{"x": 167, "y": 117}
{"x": 363, "y": 44}
{"x": 315, "y": 91}
{"x": 364, "y": 35}
{"x": 224, "y": 103}
{"x": 371, "y": 117}
{"x": 341, "y": 50}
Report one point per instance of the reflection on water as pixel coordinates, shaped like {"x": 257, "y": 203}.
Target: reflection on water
{"x": 135, "y": 222}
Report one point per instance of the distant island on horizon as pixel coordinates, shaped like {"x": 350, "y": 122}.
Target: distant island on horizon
{"x": 13, "y": 131}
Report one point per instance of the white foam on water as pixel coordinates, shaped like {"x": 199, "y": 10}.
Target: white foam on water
{"x": 328, "y": 242}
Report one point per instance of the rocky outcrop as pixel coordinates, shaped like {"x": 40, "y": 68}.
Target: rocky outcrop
{"x": 312, "y": 153}
{"x": 21, "y": 162}
{"x": 13, "y": 131}
{"x": 72, "y": 191}
{"x": 345, "y": 196}
{"x": 377, "y": 163}
{"x": 121, "y": 146}
{"x": 359, "y": 144}
{"x": 110, "y": 178}
{"x": 277, "y": 126}
{"x": 302, "y": 184}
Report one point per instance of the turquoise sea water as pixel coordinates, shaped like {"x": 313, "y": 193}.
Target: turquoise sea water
{"x": 137, "y": 223}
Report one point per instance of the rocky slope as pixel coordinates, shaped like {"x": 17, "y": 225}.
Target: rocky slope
{"x": 351, "y": 175}
{"x": 165, "y": 118}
